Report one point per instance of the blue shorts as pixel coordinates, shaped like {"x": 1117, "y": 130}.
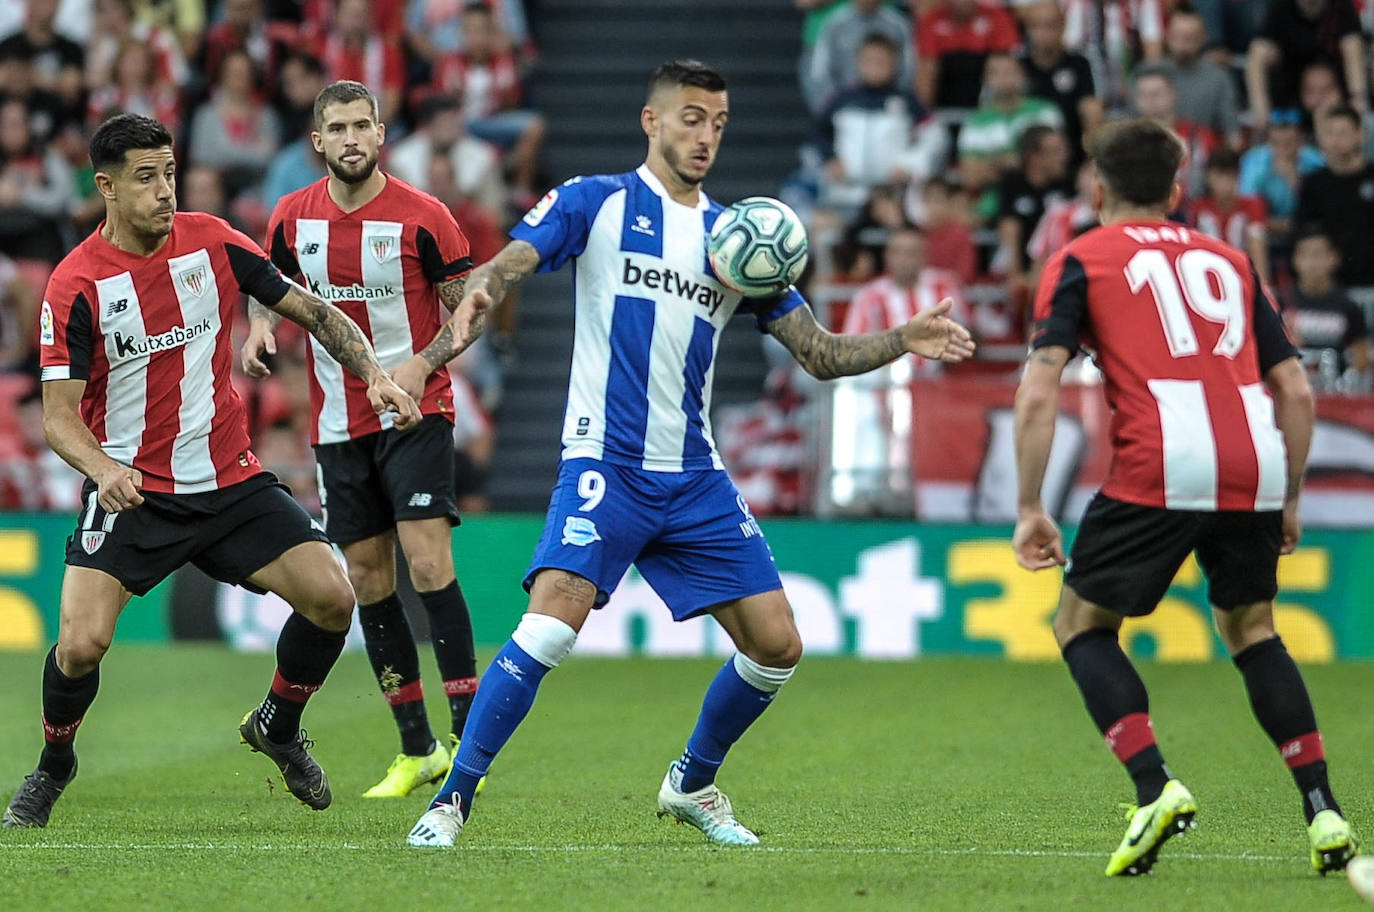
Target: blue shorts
{"x": 690, "y": 534}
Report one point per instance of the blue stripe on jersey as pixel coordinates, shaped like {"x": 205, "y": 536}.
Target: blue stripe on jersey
{"x": 708, "y": 215}
{"x": 627, "y": 415}
{"x": 641, "y": 229}
{"x": 695, "y": 450}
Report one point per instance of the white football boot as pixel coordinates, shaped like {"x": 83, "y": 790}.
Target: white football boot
{"x": 706, "y": 809}
{"x": 439, "y": 827}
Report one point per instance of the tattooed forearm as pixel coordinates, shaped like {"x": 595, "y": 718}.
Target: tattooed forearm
{"x": 826, "y": 355}
{"x": 259, "y": 311}
{"x": 334, "y": 329}
{"x": 442, "y": 349}
{"x": 516, "y": 261}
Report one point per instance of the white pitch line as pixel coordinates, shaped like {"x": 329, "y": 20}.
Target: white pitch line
{"x": 626, "y": 849}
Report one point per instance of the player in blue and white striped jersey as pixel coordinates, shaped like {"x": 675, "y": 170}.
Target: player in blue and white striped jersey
{"x": 640, "y": 480}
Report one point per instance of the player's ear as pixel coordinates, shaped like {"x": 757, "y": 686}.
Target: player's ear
{"x": 104, "y": 185}
{"x": 648, "y": 120}
{"x": 1175, "y": 196}
{"x": 1099, "y": 195}
{"x": 317, "y": 141}
{"x": 381, "y": 134}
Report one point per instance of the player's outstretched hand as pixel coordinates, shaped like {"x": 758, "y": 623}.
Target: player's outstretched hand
{"x": 260, "y": 339}
{"x": 118, "y": 488}
{"x": 1292, "y": 527}
{"x": 932, "y": 334}
{"x": 411, "y": 376}
{"x": 386, "y": 396}
{"x": 1038, "y": 542}
{"x": 471, "y": 317}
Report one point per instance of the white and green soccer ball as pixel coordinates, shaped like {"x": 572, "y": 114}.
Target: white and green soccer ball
{"x": 757, "y": 247}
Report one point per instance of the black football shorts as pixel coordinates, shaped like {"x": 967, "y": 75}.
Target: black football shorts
{"x": 230, "y": 533}
{"x": 1126, "y": 555}
{"x": 369, "y": 484}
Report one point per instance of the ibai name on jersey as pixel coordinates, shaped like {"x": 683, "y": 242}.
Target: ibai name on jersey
{"x": 355, "y": 292}
{"x": 136, "y": 346}
{"x": 674, "y": 282}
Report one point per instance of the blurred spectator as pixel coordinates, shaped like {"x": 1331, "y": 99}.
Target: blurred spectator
{"x": 352, "y": 50}
{"x": 234, "y": 131}
{"x": 1064, "y": 220}
{"x": 1330, "y": 328}
{"x": 47, "y": 112}
{"x": 1320, "y": 91}
{"x": 1274, "y": 170}
{"x": 32, "y": 476}
{"x": 1339, "y": 199}
{"x": 987, "y": 142}
{"x": 199, "y": 189}
{"x": 1156, "y": 99}
{"x": 284, "y": 448}
{"x": 474, "y": 440}
{"x": 73, "y": 18}
{"x": 115, "y": 30}
{"x": 36, "y": 190}
{"x": 1206, "y": 92}
{"x": 1296, "y": 33}
{"x": 20, "y": 291}
{"x": 485, "y": 75}
{"x": 483, "y": 232}
{"x": 386, "y": 19}
{"x": 1059, "y": 75}
{"x": 859, "y": 256}
{"x": 302, "y": 78}
{"x": 137, "y": 88}
{"x": 1115, "y": 35}
{"x": 949, "y": 241}
{"x": 1023, "y": 196}
{"x": 834, "y": 62}
{"x": 183, "y": 18}
{"x": 244, "y": 28}
{"x": 297, "y": 165}
{"x": 875, "y": 131}
{"x": 476, "y": 164}
{"x": 1226, "y": 214}
{"x": 58, "y": 62}
{"x": 433, "y": 27}
{"x": 907, "y": 286}
{"x": 765, "y": 443}
{"x": 953, "y": 41}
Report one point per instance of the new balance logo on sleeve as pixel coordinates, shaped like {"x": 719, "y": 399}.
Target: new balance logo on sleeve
{"x": 420, "y": 500}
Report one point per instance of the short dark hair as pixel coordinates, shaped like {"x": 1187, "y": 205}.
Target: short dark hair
{"x": 123, "y": 133}
{"x": 1224, "y": 160}
{"x": 1158, "y": 69}
{"x": 878, "y": 39}
{"x": 1031, "y": 139}
{"x": 678, "y": 73}
{"x": 1346, "y": 112}
{"x": 1137, "y": 160}
{"x": 1313, "y": 231}
{"x": 476, "y": 6}
{"x": 343, "y": 92}
{"x": 309, "y": 62}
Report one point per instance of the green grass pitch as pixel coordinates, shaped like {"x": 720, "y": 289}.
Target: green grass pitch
{"x": 940, "y": 784}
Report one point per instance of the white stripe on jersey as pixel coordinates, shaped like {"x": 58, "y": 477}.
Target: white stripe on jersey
{"x": 1190, "y": 452}
{"x": 126, "y": 390}
{"x": 193, "y": 468}
{"x": 312, "y": 252}
{"x": 592, "y": 343}
{"x": 388, "y": 319}
{"x": 1270, "y": 453}
{"x": 683, "y": 242}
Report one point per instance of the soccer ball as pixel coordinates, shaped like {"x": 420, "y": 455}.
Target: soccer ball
{"x": 757, "y": 247}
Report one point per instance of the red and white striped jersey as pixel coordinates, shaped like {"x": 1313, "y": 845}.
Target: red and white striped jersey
{"x": 150, "y": 335}
{"x": 1183, "y": 332}
{"x": 379, "y": 264}
{"x": 882, "y": 304}
{"x": 1245, "y": 220}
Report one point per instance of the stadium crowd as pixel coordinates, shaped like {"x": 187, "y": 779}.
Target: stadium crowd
{"x": 945, "y": 160}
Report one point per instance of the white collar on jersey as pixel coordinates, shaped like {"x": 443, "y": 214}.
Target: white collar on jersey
{"x": 656, "y": 185}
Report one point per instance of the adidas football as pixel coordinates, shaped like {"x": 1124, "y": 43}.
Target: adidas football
{"x": 757, "y": 246}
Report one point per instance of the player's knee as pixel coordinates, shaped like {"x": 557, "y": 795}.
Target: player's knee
{"x": 330, "y": 603}
{"x": 429, "y": 572}
{"x": 80, "y": 653}
{"x": 544, "y": 638}
{"x": 782, "y": 651}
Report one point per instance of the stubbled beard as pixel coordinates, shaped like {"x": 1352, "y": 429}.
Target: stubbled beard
{"x": 338, "y": 170}
{"x": 670, "y": 156}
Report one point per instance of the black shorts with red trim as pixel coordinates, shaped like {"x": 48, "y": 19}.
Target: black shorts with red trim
{"x": 230, "y": 533}
{"x": 370, "y": 483}
{"x": 1126, "y": 555}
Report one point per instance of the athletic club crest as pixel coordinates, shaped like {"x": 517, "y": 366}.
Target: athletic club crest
{"x": 91, "y": 541}
{"x": 193, "y": 280}
{"x": 381, "y": 247}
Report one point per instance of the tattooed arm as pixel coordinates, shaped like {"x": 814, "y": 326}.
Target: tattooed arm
{"x": 262, "y": 326}
{"x": 826, "y": 355}
{"x": 471, "y": 298}
{"x": 1037, "y": 539}
{"x": 345, "y": 342}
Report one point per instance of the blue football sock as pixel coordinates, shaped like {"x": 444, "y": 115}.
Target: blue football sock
{"x": 730, "y": 707}
{"x": 504, "y": 697}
